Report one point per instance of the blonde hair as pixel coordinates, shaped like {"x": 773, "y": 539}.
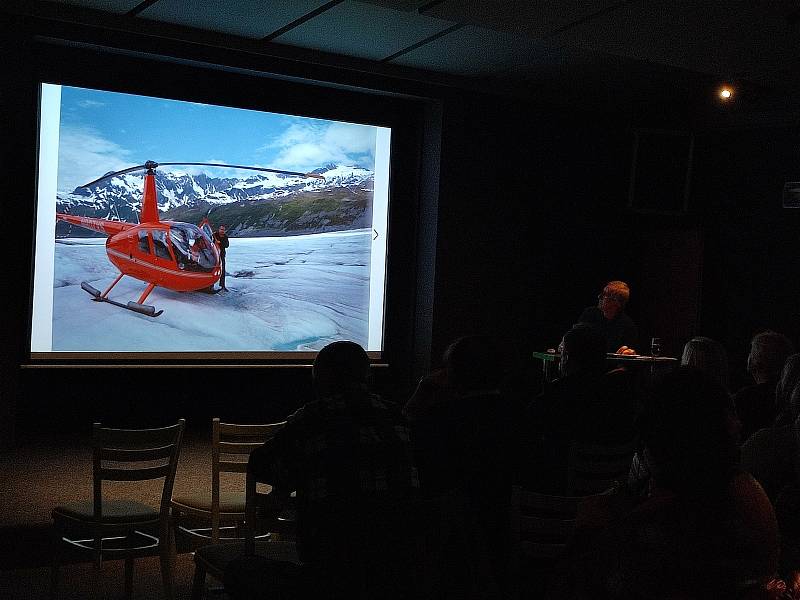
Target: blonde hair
{"x": 707, "y": 355}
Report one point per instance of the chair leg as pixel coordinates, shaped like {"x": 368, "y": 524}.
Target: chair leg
{"x": 55, "y": 562}
{"x": 167, "y": 556}
{"x": 54, "y": 577}
{"x": 167, "y": 570}
{"x": 198, "y": 582}
{"x": 128, "y": 577}
{"x": 98, "y": 553}
{"x": 129, "y": 543}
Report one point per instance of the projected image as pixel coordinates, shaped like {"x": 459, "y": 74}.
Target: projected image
{"x": 147, "y": 243}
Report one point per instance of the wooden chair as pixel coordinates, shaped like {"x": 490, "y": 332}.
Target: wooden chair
{"x": 541, "y": 529}
{"x": 594, "y": 468}
{"x": 213, "y": 559}
{"x": 542, "y": 525}
{"x": 231, "y": 446}
{"x": 123, "y": 528}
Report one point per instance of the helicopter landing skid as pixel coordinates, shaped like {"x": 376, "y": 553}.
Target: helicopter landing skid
{"x": 142, "y": 309}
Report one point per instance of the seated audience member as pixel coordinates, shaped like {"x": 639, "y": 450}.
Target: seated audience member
{"x": 709, "y": 356}
{"x": 585, "y": 404}
{"x": 700, "y": 354}
{"x": 704, "y": 529}
{"x": 461, "y": 398}
{"x": 755, "y": 404}
{"x": 348, "y": 456}
{"x": 463, "y": 431}
{"x": 771, "y": 456}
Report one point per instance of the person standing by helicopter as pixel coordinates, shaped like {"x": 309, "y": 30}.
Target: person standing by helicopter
{"x": 221, "y": 239}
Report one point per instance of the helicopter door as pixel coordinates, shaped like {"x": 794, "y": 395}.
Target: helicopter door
{"x": 144, "y": 243}
{"x": 160, "y": 245}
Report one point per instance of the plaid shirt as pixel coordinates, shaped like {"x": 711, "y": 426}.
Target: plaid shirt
{"x": 344, "y": 455}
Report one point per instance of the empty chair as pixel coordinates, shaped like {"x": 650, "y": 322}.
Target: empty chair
{"x": 214, "y": 559}
{"x": 214, "y": 508}
{"x": 593, "y": 468}
{"x": 123, "y": 528}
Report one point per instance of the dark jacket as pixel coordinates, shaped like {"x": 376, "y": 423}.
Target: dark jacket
{"x": 222, "y": 241}
{"x": 618, "y": 332}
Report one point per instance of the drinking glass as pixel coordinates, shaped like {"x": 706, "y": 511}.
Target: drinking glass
{"x": 655, "y": 346}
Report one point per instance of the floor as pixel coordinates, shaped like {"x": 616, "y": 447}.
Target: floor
{"x": 83, "y": 581}
{"x": 44, "y": 471}
{"x": 48, "y": 470}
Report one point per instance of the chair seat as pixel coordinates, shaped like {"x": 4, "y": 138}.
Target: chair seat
{"x": 229, "y": 502}
{"x": 217, "y": 556}
{"x": 113, "y": 511}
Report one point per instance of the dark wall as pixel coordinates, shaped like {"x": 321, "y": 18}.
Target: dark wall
{"x": 752, "y": 248}
{"x": 532, "y": 220}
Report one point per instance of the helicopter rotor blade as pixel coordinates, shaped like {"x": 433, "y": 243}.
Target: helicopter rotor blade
{"x": 115, "y": 173}
{"x": 152, "y": 165}
{"x": 281, "y": 171}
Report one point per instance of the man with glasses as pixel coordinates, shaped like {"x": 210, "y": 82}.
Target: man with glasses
{"x": 610, "y": 319}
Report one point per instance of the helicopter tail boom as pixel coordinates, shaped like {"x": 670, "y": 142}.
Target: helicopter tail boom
{"x": 105, "y": 226}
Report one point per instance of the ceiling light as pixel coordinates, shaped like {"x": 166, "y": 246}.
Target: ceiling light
{"x": 725, "y": 93}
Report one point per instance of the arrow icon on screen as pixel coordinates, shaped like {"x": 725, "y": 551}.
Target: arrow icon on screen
{"x": 376, "y": 235}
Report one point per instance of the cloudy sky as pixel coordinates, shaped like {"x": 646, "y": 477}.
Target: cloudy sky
{"x": 107, "y": 131}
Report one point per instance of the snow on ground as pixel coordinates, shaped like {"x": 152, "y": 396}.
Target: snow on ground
{"x": 285, "y": 293}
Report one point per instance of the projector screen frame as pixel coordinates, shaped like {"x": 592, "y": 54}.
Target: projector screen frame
{"x": 81, "y": 68}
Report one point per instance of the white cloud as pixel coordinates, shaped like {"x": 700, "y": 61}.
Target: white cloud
{"x": 84, "y": 155}
{"x": 307, "y": 146}
{"x": 90, "y": 104}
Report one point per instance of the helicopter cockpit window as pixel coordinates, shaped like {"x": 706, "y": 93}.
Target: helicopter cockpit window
{"x": 144, "y": 245}
{"x": 192, "y": 248}
{"x": 160, "y": 244}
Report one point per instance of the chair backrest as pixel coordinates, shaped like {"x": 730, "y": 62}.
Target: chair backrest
{"x": 541, "y": 525}
{"x": 232, "y": 444}
{"x": 594, "y": 468}
{"x": 135, "y": 455}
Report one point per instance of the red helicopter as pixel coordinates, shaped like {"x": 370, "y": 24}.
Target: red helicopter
{"x": 178, "y": 256}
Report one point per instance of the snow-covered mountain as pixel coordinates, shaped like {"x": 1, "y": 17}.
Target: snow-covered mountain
{"x": 181, "y": 194}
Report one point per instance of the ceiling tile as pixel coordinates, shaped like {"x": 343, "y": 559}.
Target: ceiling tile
{"x": 534, "y": 18}
{"x": 406, "y": 5}
{"x": 112, "y": 6}
{"x": 480, "y": 52}
{"x": 736, "y": 37}
{"x": 363, "y": 30}
{"x": 245, "y": 18}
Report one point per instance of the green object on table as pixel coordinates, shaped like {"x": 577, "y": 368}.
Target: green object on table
{"x": 547, "y": 356}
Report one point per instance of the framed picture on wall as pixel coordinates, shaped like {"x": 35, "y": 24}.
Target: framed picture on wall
{"x": 791, "y": 194}
{"x": 661, "y": 169}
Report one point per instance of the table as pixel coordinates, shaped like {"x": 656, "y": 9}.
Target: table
{"x": 549, "y": 359}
